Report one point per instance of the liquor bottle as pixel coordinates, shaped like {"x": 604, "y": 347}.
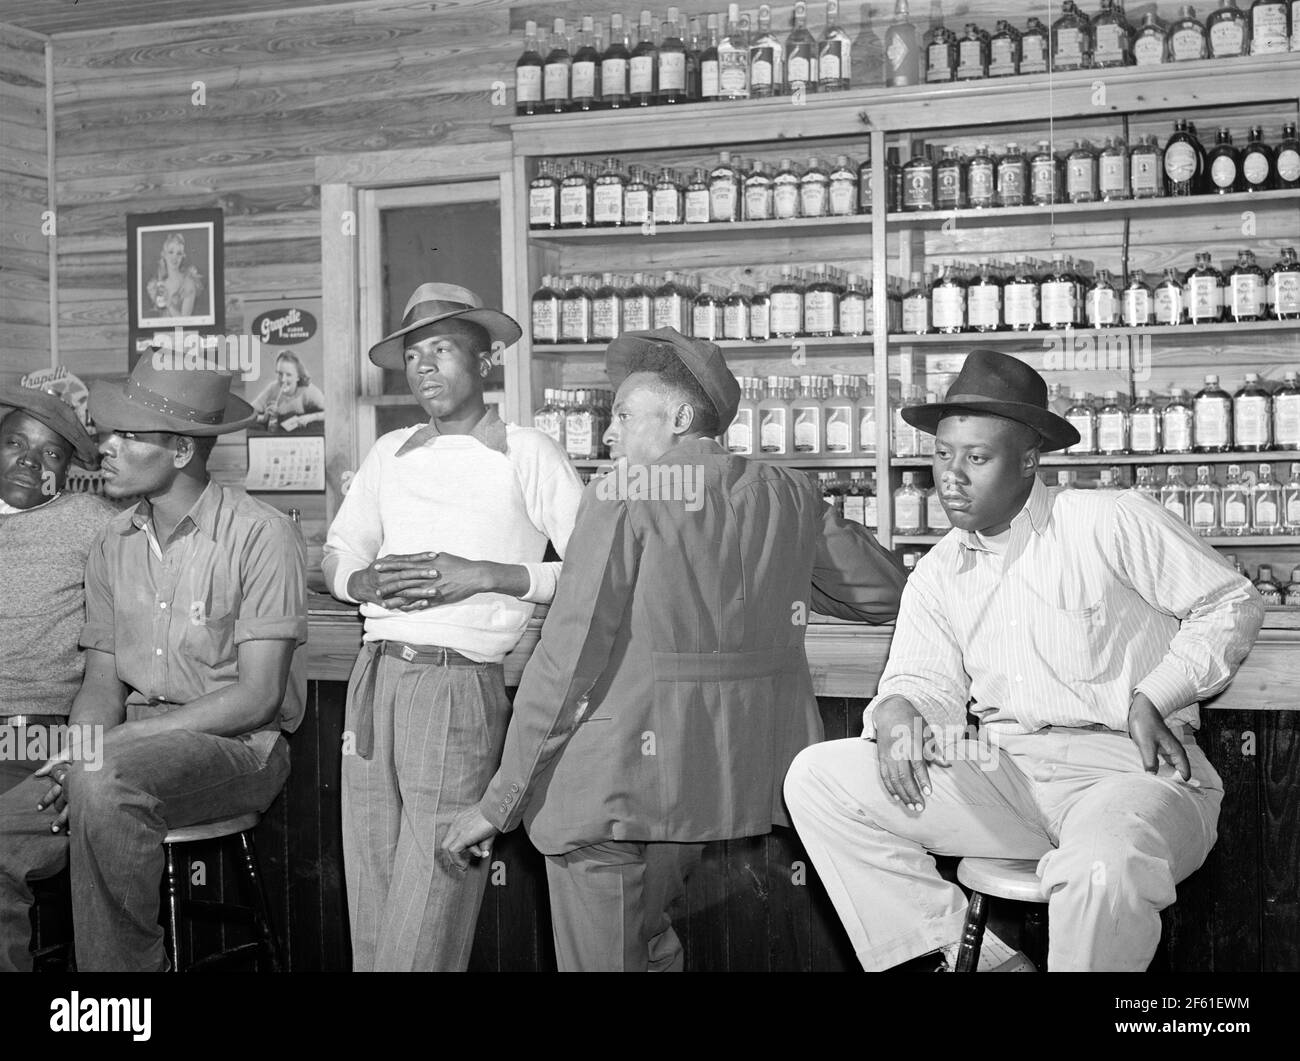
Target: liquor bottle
{"x": 1149, "y": 45}
{"x": 1170, "y": 300}
{"x": 1286, "y": 162}
{"x": 834, "y": 53}
{"x": 1065, "y": 480}
{"x": 906, "y": 438}
{"x": 1204, "y": 291}
{"x": 638, "y": 305}
{"x": 1177, "y": 423}
{"x": 695, "y": 44}
{"x": 1257, "y": 163}
{"x": 672, "y": 305}
{"x": 1269, "y": 591}
{"x": 614, "y": 91}
{"x": 981, "y": 179}
{"x": 668, "y": 203}
{"x": 916, "y": 307}
{"x": 528, "y": 74}
{"x": 549, "y": 419}
{"x": 766, "y": 76}
{"x": 909, "y": 507}
{"x": 1206, "y": 499}
{"x": 710, "y": 74}
{"x": 1102, "y": 303}
{"x": 735, "y": 315}
{"x": 607, "y": 196}
{"x": 1227, "y": 31}
{"x": 697, "y": 198}
{"x": 1291, "y": 592}
{"x": 894, "y": 171}
{"x": 1268, "y": 26}
{"x": 545, "y": 311}
{"x": 642, "y": 67}
{"x": 580, "y": 437}
{"x": 722, "y": 194}
{"x": 1081, "y": 174}
{"x": 1020, "y": 298}
{"x": 806, "y": 418}
{"x": 1185, "y": 39}
{"x": 733, "y": 58}
{"x": 1222, "y": 167}
{"x": 556, "y": 72}
{"x": 1144, "y": 425}
{"x": 1057, "y": 296}
{"x": 774, "y": 438}
{"x": 1139, "y": 306}
{"x": 936, "y": 516}
{"x": 670, "y": 72}
{"x": 1247, "y": 289}
{"x": 575, "y": 196}
{"x": 814, "y": 188}
{"x": 1184, "y": 161}
{"x": 1284, "y": 286}
{"x": 1173, "y": 495}
{"x": 1045, "y": 175}
{"x": 1212, "y": 409}
{"x": 950, "y": 181}
{"x": 575, "y": 312}
{"x": 1004, "y": 51}
{"x": 1112, "y": 425}
{"x": 544, "y": 197}
{"x": 638, "y": 197}
{"x": 948, "y": 300}
{"x": 854, "y": 508}
{"x": 941, "y": 55}
{"x": 1266, "y": 502}
{"x": 1144, "y": 487}
{"x": 853, "y": 308}
{"x": 842, "y": 191}
{"x": 787, "y": 306}
{"x": 1236, "y": 503}
{"x": 918, "y": 181}
{"x": 606, "y": 310}
{"x": 1113, "y": 171}
{"x": 1071, "y": 39}
{"x": 758, "y": 194}
{"x": 1111, "y": 36}
{"x": 1147, "y": 169}
{"x": 785, "y": 191}
{"x": 864, "y": 185}
{"x": 866, "y": 418}
{"x": 741, "y": 430}
{"x": 1291, "y": 501}
{"x": 1012, "y": 177}
{"x": 1252, "y": 416}
{"x": 1034, "y": 48}
{"x": 760, "y": 314}
{"x": 902, "y": 50}
{"x": 821, "y": 304}
{"x": 801, "y": 71}
{"x": 973, "y": 54}
{"x": 839, "y": 411}
{"x": 1286, "y": 413}
{"x": 586, "y": 60}
{"x": 984, "y": 300}
{"x": 1057, "y": 400}
{"x": 1084, "y": 418}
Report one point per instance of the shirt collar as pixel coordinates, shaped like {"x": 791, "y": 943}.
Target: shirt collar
{"x": 490, "y": 431}
{"x": 693, "y": 445}
{"x": 203, "y": 513}
{"x": 1036, "y": 511}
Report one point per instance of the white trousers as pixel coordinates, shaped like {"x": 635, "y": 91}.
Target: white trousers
{"x": 1111, "y": 840}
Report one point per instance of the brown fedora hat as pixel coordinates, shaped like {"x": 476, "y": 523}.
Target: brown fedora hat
{"x": 54, "y": 413}
{"x": 167, "y": 397}
{"x": 702, "y": 359}
{"x": 991, "y": 383}
{"x": 431, "y": 303}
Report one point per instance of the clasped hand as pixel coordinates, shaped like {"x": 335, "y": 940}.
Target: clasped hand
{"x": 410, "y": 582}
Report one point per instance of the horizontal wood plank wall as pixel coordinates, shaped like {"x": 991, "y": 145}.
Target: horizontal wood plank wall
{"x": 24, "y": 196}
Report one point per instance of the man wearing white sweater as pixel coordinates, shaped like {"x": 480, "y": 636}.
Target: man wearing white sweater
{"x": 440, "y": 539}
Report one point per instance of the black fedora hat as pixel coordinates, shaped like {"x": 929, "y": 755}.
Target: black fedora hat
{"x": 991, "y": 383}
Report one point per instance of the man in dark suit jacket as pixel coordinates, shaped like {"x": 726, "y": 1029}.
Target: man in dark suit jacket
{"x": 670, "y": 690}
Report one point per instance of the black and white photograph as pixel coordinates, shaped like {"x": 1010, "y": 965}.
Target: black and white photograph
{"x": 177, "y": 273}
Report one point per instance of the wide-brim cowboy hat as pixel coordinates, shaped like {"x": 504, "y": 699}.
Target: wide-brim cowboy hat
{"x": 169, "y": 397}
{"x": 702, "y": 359}
{"x": 991, "y": 383}
{"x": 54, "y": 413}
{"x": 432, "y": 303}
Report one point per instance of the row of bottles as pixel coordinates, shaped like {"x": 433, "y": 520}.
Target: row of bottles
{"x": 820, "y": 302}
{"x": 1068, "y": 294}
{"x": 577, "y": 420}
{"x": 784, "y": 416}
{"x": 1274, "y": 591}
{"x": 1254, "y": 419}
{"x": 1244, "y": 504}
{"x": 674, "y": 61}
{"x": 1076, "y": 41}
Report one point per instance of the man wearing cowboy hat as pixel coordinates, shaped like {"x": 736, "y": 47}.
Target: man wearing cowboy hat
{"x": 1081, "y": 627}
{"x": 670, "y": 689}
{"x": 47, "y": 537}
{"x": 195, "y": 606}
{"x": 440, "y": 539}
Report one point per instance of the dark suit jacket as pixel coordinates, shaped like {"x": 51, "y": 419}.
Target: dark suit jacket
{"x": 670, "y": 690}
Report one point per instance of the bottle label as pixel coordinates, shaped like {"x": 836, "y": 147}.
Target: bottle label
{"x": 584, "y": 80}
{"x": 1137, "y": 307}
{"x": 528, "y": 84}
{"x": 870, "y": 512}
{"x": 867, "y": 431}
{"x": 787, "y": 309}
{"x": 1069, "y": 47}
{"x": 758, "y": 203}
{"x": 800, "y": 71}
{"x": 1187, "y": 44}
{"x": 970, "y": 59}
{"x": 574, "y": 201}
{"x": 855, "y": 509}
{"x": 771, "y": 430}
{"x": 733, "y": 72}
{"x": 1002, "y": 57}
{"x": 704, "y": 322}
{"x": 541, "y": 206}
{"x": 667, "y": 205}
{"x": 1169, "y": 305}
{"x": 1080, "y": 176}
{"x": 709, "y": 79}
{"x": 785, "y": 199}
{"x": 1103, "y": 308}
{"x": 642, "y": 75}
{"x": 843, "y": 197}
{"x": 1247, "y": 295}
{"x": 740, "y": 435}
{"x": 722, "y": 200}
{"x": 672, "y": 71}
{"x": 979, "y": 178}
{"x": 1293, "y": 511}
{"x": 939, "y": 63}
{"x": 984, "y": 306}
{"x": 669, "y": 311}
{"x": 551, "y": 424}
{"x": 1020, "y": 304}
{"x": 637, "y": 314}
{"x": 1058, "y": 302}
{"x": 1234, "y": 512}
{"x": 1178, "y": 431}
{"x": 1203, "y": 514}
{"x": 760, "y": 73}
{"x": 1143, "y": 435}
{"x": 1286, "y": 421}
{"x": 812, "y": 198}
{"x": 839, "y": 423}
{"x": 807, "y": 430}
{"x": 1110, "y": 433}
{"x": 556, "y": 82}
{"x": 1044, "y": 179}
{"x": 1227, "y": 38}
{"x": 1205, "y": 299}
{"x": 544, "y": 322}
{"x": 1250, "y": 420}
{"x": 936, "y": 517}
{"x": 604, "y": 317}
{"x": 735, "y": 322}
{"x": 1284, "y": 293}
{"x": 636, "y": 206}
{"x": 949, "y": 308}
{"x": 830, "y": 66}
{"x": 819, "y": 313}
{"x": 1087, "y": 427}
{"x": 908, "y": 517}
{"x": 919, "y": 192}
{"x": 575, "y": 320}
{"x": 1114, "y": 170}
{"x": 578, "y": 435}
{"x": 1011, "y": 182}
{"x": 1288, "y": 159}
{"x": 1144, "y": 173}
{"x": 1149, "y": 50}
{"x": 760, "y": 320}
{"x": 1268, "y": 25}
{"x": 1212, "y": 418}
{"x": 1033, "y": 54}
{"x": 1255, "y": 167}
{"x": 697, "y": 206}
{"x": 853, "y": 316}
{"x": 1180, "y": 162}
{"x": 948, "y": 193}
{"x": 1110, "y": 44}
{"x": 613, "y": 78}
{"x": 916, "y": 315}
{"x": 607, "y": 204}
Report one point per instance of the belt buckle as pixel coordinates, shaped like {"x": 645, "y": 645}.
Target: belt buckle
{"x": 407, "y": 653}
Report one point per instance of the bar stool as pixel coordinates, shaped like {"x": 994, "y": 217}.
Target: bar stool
{"x": 178, "y": 903}
{"x": 52, "y": 924}
{"x": 1002, "y": 878}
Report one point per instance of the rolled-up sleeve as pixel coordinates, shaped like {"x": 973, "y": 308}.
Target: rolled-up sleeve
{"x": 273, "y": 577}
{"x": 98, "y": 631}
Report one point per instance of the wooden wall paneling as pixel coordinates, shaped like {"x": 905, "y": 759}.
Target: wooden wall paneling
{"x": 703, "y": 924}
{"x": 745, "y": 878}
{"x": 312, "y": 847}
{"x": 1279, "y": 766}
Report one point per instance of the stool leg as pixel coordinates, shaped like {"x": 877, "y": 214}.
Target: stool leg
{"x": 261, "y": 908}
{"x": 173, "y": 886}
{"x": 972, "y": 934}
{"x": 1036, "y": 936}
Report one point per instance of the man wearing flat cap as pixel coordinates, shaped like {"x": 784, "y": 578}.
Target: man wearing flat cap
{"x": 47, "y": 537}
{"x": 441, "y": 539}
{"x": 670, "y": 689}
{"x": 1081, "y": 627}
{"x": 195, "y": 610}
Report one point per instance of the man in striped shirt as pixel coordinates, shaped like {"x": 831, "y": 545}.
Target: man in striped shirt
{"x": 1080, "y": 627}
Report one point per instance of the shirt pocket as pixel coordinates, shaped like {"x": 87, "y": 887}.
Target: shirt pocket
{"x": 212, "y": 643}
{"x": 210, "y": 613}
{"x": 1072, "y": 642}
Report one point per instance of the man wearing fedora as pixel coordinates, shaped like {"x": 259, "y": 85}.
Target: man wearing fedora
{"x": 195, "y": 607}
{"x": 440, "y": 539}
{"x": 670, "y": 689}
{"x": 1080, "y": 627}
{"x": 47, "y": 537}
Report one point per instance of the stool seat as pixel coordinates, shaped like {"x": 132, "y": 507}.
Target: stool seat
{"x": 188, "y": 834}
{"x": 1005, "y": 878}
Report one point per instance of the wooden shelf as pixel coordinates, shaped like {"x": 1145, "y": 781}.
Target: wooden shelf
{"x": 1182, "y": 332}
{"x": 800, "y": 226}
{"x": 861, "y": 344}
{"x": 917, "y": 539}
{"x": 1099, "y": 460}
{"x": 1216, "y": 541}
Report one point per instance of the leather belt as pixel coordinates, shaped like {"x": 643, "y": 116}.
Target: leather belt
{"x": 444, "y": 657}
{"x": 21, "y": 721}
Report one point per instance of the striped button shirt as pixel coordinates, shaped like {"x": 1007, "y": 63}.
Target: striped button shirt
{"x": 1098, "y": 595}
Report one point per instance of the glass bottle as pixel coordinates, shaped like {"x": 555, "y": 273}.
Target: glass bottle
{"x": 1284, "y": 286}
{"x": 556, "y": 72}
{"x": 909, "y": 507}
{"x": 1081, "y": 174}
{"x": 672, "y": 305}
{"x": 774, "y": 436}
{"x": 766, "y": 66}
{"x": 614, "y": 91}
{"x": 1071, "y": 39}
{"x": 1185, "y": 39}
{"x": 1286, "y": 161}
{"x": 834, "y": 53}
{"x": 864, "y": 185}
{"x": 1057, "y": 296}
{"x": 575, "y": 312}
{"x": 981, "y": 179}
{"x": 984, "y": 300}
{"x": 710, "y": 89}
{"x": 733, "y": 58}
{"x": 1102, "y": 302}
{"x": 855, "y": 496}
{"x": 1252, "y": 416}
{"x": 948, "y": 300}
{"x": 1144, "y": 425}
{"x": 1177, "y": 423}
{"x": 607, "y": 196}
{"x": 1235, "y": 519}
{"x": 638, "y": 197}
{"x": 606, "y": 310}
{"x": 950, "y": 181}
{"x": 586, "y": 59}
{"x": 1004, "y": 50}
{"x": 528, "y": 74}
{"x": 814, "y": 188}
{"x": 1139, "y": 306}
{"x": 638, "y": 305}
{"x": 741, "y": 430}
{"x": 722, "y": 190}
{"x": 941, "y": 56}
{"x": 787, "y": 306}
{"x": 1034, "y": 48}
{"x": 1204, "y": 291}
{"x": 1112, "y": 425}
{"x": 1113, "y": 171}
{"x": 1221, "y": 165}
{"x": 1174, "y": 494}
{"x": 758, "y": 194}
{"x": 670, "y": 62}
{"x": 760, "y": 314}
{"x": 1065, "y": 480}
{"x": 973, "y": 54}
{"x": 1268, "y": 27}
{"x": 544, "y": 197}
{"x": 865, "y": 407}
{"x": 1246, "y": 291}
{"x": 1291, "y": 501}
{"x": 1111, "y": 37}
{"x": 1291, "y": 592}
{"x": 1270, "y": 592}
{"x": 853, "y": 308}
{"x": 1020, "y": 298}
{"x": 785, "y": 191}
{"x": 918, "y": 181}
{"x": 1206, "y": 498}
{"x": 1212, "y": 409}
{"x": 575, "y": 196}
{"x": 1227, "y": 31}
{"x": 669, "y": 200}
{"x": 1147, "y": 169}
{"x": 1184, "y": 161}
{"x": 801, "y": 73}
{"x": 842, "y": 189}
{"x": 916, "y": 307}
{"x": 1149, "y": 45}
{"x": 1286, "y": 413}
{"x": 643, "y": 65}
{"x": 839, "y": 411}
{"x": 735, "y": 315}
{"x": 806, "y": 418}
{"x": 545, "y": 312}
{"x": 706, "y": 315}
{"x": 1083, "y": 416}
{"x": 549, "y": 419}
{"x": 1257, "y": 163}
{"x": 1144, "y": 486}
{"x": 1170, "y": 300}
{"x": 821, "y": 304}
{"x": 696, "y": 198}
{"x": 1012, "y": 177}
{"x": 1045, "y": 175}
{"x": 902, "y": 49}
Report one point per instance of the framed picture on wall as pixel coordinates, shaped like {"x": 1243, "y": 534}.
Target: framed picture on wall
{"x": 175, "y": 272}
